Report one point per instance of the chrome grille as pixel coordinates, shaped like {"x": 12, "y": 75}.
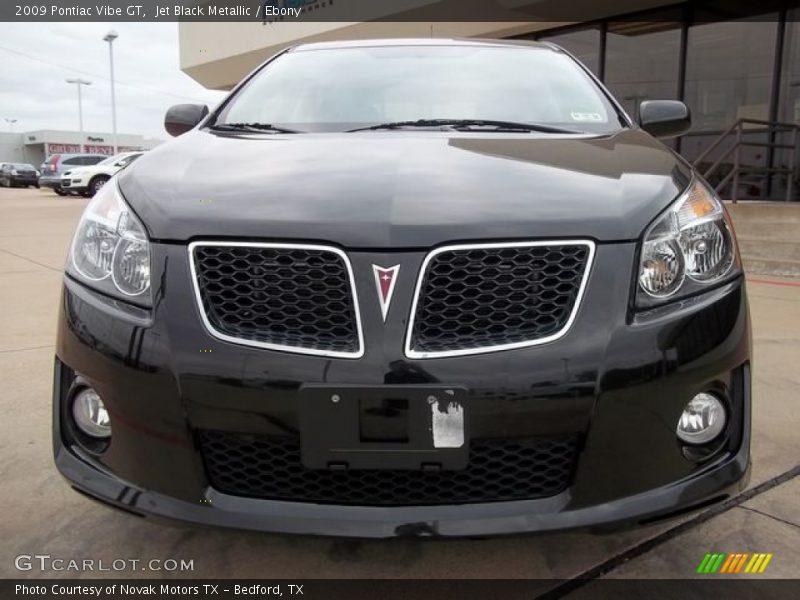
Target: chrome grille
{"x": 278, "y": 296}
{"x": 487, "y": 297}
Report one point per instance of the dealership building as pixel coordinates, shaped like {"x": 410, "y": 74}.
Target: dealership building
{"x": 735, "y": 63}
{"x": 34, "y": 146}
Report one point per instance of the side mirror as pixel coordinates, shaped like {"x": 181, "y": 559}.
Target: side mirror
{"x": 664, "y": 118}
{"x": 183, "y": 117}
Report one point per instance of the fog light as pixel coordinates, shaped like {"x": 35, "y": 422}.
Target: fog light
{"x": 702, "y": 420}
{"x": 90, "y": 414}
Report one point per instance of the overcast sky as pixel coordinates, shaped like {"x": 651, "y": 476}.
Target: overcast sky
{"x": 36, "y": 58}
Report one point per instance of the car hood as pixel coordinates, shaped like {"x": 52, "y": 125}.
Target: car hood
{"x": 403, "y": 189}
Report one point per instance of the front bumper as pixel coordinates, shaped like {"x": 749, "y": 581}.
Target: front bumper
{"x": 616, "y": 379}
{"x": 50, "y": 181}
{"x": 717, "y": 482}
{"x": 74, "y": 185}
{"x": 18, "y": 180}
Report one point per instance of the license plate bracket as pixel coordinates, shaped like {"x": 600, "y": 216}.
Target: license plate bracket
{"x": 383, "y": 427}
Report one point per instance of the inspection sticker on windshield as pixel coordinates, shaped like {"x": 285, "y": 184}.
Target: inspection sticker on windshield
{"x": 447, "y": 423}
{"x": 587, "y": 116}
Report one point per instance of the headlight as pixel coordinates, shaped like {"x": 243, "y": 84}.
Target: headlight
{"x": 110, "y": 251}
{"x": 689, "y": 247}
{"x": 13, "y": 171}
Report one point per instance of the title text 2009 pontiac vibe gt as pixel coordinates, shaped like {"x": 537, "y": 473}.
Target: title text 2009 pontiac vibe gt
{"x": 407, "y": 287}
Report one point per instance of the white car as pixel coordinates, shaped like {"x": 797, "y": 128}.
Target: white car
{"x": 88, "y": 180}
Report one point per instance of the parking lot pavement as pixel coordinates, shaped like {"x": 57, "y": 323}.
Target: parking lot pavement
{"x": 44, "y": 516}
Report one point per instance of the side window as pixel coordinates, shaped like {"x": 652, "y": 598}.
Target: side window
{"x": 71, "y": 162}
{"x": 93, "y": 160}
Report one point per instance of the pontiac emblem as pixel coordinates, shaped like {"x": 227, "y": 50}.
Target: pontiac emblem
{"x": 385, "y": 279}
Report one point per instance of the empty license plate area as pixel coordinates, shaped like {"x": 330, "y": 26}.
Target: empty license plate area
{"x": 386, "y": 427}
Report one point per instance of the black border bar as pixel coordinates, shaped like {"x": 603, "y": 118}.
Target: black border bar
{"x": 275, "y": 12}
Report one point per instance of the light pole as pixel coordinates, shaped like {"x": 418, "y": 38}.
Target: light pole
{"x": 79, "y": 82}
{"x": 10, "y": 123}
{"x": 110, "y": 37}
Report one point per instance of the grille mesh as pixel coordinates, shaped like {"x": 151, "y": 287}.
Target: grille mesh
{"x": 482, "y": 297}
{"x": 498, "y": 470}
{"x": 295, "y": 297}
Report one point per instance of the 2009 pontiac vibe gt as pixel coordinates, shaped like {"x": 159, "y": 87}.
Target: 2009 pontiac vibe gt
{"x": 420, "y": 287}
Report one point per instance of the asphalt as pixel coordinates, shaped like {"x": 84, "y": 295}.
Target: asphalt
{"x": 42, "y": 515}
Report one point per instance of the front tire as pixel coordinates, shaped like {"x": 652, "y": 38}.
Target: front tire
{"x": 59, "y": 191}
{"x": 96, "y": 184}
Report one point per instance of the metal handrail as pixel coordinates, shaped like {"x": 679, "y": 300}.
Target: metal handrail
{"x": 738, "y": 128}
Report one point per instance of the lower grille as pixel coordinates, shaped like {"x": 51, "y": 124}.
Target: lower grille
{"x": 499, "y": 470}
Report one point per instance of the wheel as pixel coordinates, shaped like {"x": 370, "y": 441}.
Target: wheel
{"x": 59, "y": 191}
{"x": 4, "y": 182}
{"x": 96, "y": 183}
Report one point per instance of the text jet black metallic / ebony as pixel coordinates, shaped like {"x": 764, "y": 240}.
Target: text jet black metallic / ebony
{"x": 416, "y": 287}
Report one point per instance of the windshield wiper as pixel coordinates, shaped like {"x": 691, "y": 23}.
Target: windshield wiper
{"x": 468, "y": 125}
{"x": 259, "y": 127}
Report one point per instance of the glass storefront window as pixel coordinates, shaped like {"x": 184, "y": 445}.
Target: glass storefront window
{"x": 789, "y": 100}
{"x": 729, "y": 68}
{"x": 729, "y": 72}
{"x": 584, "y": 44}
{"x": 642, "y": 61}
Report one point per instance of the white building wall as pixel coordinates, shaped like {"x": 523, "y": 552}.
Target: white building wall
{"x": 12, "y": 148}
{"x": 34, "y": 146}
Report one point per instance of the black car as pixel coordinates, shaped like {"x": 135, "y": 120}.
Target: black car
{"x": 18, "y": 175}
{"x": 439, "y": 288}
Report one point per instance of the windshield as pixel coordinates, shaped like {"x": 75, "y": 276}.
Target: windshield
{"x": 22, "y": 167}
{"x": 343, "y": 88}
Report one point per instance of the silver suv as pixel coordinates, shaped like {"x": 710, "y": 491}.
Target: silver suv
{"x": 56, "y": 164}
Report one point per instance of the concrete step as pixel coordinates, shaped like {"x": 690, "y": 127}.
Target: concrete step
{"x": 767, "y": 249}
{"x": 779, "y": 268}
{"x": 769, "y": 236}
{"x": 770, "y": 211}
{"x": 753, "y": 228}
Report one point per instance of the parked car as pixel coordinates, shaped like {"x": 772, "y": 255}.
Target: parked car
{"x": 18, "y": 175}
{"x": 88, "y": 180}
{"x": 407, "y": 288}
{"x": 53, "y": 168}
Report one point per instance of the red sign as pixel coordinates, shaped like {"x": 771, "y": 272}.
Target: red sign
{"x": 62, "y": 148}
{"x": 98, "y": 149}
